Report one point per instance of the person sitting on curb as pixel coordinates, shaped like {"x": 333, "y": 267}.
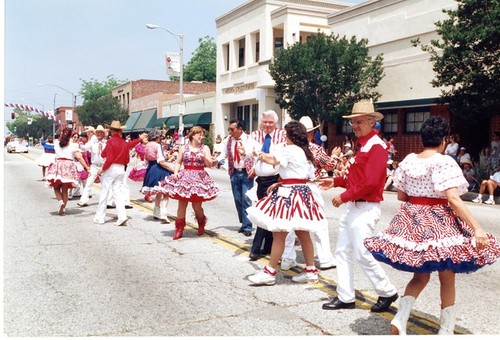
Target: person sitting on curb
{"x": 490, "y": 184}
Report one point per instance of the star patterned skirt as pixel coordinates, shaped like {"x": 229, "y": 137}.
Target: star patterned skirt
{"x": 427, "y": 238}
{"x": 289, "y": 207}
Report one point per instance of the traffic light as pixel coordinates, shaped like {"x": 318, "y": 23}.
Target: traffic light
{"x": 13, "y": 115}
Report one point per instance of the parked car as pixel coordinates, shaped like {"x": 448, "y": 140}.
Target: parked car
{"x": 18, "y": 146}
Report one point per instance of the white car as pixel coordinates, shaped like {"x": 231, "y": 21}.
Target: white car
{"x": 17, "y": 146}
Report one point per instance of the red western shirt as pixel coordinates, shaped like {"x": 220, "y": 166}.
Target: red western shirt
{"x": 365, "y": 177}
{"x": 116, "y": 151}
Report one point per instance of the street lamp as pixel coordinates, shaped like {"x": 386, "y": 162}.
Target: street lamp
{"x": 180, "y": 39}
{"x": 73, "y": 96}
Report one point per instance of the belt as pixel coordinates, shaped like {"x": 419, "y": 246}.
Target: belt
{"x": 194, "y": 167}
{"x": 292, "y": 181}
{"x": 360, "y": 201}
{"x": 427, "y": 200}
{"x": 240, "y": 170}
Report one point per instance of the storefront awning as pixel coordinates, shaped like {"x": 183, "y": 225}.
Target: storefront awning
{"x": 157, "y": 123}
{"x": 132, "y": 119}
{"x": 190, "y": 120}
{"x": 146, "y": 117}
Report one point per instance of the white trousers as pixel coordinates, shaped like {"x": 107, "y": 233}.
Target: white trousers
{"x": 90, "y": 181}
{"x": 112, "y": 180}
{"x": 320, "y": 237}
{"x": 356, "y": 224}
{"x": 125, "y": 191}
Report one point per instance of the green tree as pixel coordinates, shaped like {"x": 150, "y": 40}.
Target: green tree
{"x": 94, "y": 89}
{"x": 466, "y": 59}
{"x": 99, "y": 106}
{"x": 324, "y": 76}
{"x": 202, "y": 66}
{"x": 27, "y": 124}
{"x": 101, "y": 111}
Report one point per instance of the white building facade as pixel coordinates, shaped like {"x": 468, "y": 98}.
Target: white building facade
{"x": 247, "y": 40}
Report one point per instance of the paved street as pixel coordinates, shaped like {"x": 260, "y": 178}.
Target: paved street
{"x": 65, "y": 276}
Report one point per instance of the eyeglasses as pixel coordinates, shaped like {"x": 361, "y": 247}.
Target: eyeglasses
{"x": 357, "y": 122}
{"x": 231, "y": 129}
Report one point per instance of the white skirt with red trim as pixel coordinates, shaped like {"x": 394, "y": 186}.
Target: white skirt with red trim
{"x": 288, "y": 208}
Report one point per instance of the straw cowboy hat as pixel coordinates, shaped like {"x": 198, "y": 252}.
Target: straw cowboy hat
{"x": 364, "y": 108}
{"x": 100, "y": 128}
{"x": 116, "y": 125}
{"x": 308, "y": 123}
{"x": 468, "y": 162}
{"x": 89, "y": 129}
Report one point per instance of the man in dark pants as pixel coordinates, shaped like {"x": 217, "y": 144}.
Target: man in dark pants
{"x": 265, "y": 140}
{"x": 237, "y": 149}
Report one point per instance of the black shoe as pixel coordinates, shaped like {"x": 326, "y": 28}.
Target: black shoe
{"x": 254, "y": 257}
{"x": 128, "y": 207}
{"x": 337, "y": 304}
{"x": 247, "y": 233}
{"x": 110, "y": 207}
{"x": 383, "y": 303}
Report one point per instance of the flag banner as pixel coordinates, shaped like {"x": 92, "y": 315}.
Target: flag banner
{"x": 173, "y": 63}
{"x": 30, "y": 108}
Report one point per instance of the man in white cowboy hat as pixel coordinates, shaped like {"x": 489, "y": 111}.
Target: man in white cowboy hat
{"x": 117, "y": 156}
{"x": 364, "y": 183}
{"x": 96, "y": 162}
{"x": 267, "y": 138}
{"x": 91, "y": 133}
{"x": 321, "y": 237}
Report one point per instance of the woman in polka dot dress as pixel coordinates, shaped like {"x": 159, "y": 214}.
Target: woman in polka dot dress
{"x": 433, "y": 230}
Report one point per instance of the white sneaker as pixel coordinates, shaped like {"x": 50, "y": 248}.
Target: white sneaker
{"x": 96, "y": 221}
{"x": 306, "y": 276}
{"x": 287, "y": 264}
{"x": 490, "y": 201}
{"x": 477, "y": 200}
{"x": 121, "y": 222}
{"x": 264, "y": 277}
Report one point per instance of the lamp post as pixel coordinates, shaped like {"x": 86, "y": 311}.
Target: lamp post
{"x": 180, "y": 39}
{"x": 54, "y": 119}
{"x": 73, "y": 96}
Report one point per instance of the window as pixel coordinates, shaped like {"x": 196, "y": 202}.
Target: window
{"x": 225, "y": 56}
{"x": 345, "y": 128}
{"x": 415, "y": 119}
{"x": 241, "y": 52}
{"x": 278, "y": 44}
{"x": 390, "y": 122}
{"x": 243, "y": 114}
{"x": 256, "y": 46}
{"x": 255, "y": 117}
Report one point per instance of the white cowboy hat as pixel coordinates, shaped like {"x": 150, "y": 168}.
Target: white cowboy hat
{"x": 308, "y": 123}
{"x": 116, "y": 125}
{"x": 364, "y": 108}
{"x": 100, "y": 128}
{"x": 89, "y": 129}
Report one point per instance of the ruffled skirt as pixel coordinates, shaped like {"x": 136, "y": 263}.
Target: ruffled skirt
{"x": 154, "y": 174}
{"x": 290, "y": 207}
{"x": 190, "y": 185}
{"x": 62, "y": 171}
{"x": 427, "y": 238}
{"x": 137, "y": 175}
{"x": 45, "y": 159}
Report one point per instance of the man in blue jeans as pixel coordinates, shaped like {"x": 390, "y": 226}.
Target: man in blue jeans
{"x": 238, "y": 150}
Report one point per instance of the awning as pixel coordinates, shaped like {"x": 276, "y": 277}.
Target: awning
{"x": 190, "y": 120}
{"x": 156, "y": 123}
{"x": 132, "y": 119}
{"x": 146, "y": 117}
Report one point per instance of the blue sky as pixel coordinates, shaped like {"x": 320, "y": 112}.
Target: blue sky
{"x": 61, "y": 42}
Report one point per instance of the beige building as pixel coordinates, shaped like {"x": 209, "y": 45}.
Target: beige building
{"x": 247, "y": 40}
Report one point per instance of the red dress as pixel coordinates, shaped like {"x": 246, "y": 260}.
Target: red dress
{"x": 193, "y": 183}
